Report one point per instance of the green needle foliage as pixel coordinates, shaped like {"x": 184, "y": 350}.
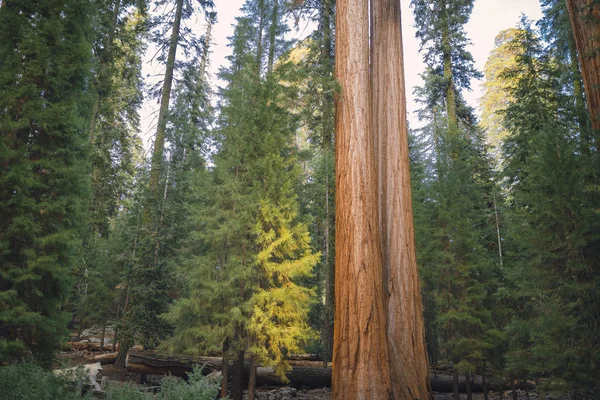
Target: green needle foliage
{"x": 553, "y": 197}
{"x": 45, "y": 55}
{"x": 248, "y": 248}
{"x": 453, "y": 195}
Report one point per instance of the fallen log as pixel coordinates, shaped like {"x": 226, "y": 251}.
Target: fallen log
{"x": 104, "y": 359}
{"x": 304, "y": 357}
{"x": 87, "y": 346}
{"x": 303, "y": 373}
{"x": 110, "y": 358}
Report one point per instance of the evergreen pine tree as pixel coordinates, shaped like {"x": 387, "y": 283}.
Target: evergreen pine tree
{"x": 248, "y": 248}
{"x": 45, "y": 54}
{"x": 553, "y": 219}
{"x": 317, "y": 111}
{"x": 456, "y": 236}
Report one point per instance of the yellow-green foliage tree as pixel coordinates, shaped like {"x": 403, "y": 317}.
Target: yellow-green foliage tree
{"x": 497, "y": 88}
{"x": 249, "y": 249}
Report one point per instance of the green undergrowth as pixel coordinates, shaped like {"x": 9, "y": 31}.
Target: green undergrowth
{"x": 28, "y": 381}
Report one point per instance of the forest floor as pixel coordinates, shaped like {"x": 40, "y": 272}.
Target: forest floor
{"x": 114, "y": 374}
{"x": 81, "y": 357}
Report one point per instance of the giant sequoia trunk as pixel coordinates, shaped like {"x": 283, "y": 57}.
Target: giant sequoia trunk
{"x": 585, "y": 22}
{"x": 360, "y": 355}
{"x": 377, "y": 285}
{"x": 409, "y": 367}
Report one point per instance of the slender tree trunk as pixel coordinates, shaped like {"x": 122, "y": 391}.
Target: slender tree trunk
{"x": 206, "y": 51}
{"x": 128, "y": 339}
{"x": 252, "y": 379}
{"x": 484, "y": 383}
{"x": 360, "y": 355}
{"x": 498, "y": 232}
{"x": 159, "y": 140}
{"x": 327, "y": 127}
{"x": 585, "y": 23}
{"x": 105, "y": 59}
{"x": 513, "y": 384}
{"x": 468, "y": 386}
{"x": 114, "y": 346}
{"x": 455, "y": 391}
{"x": 126, "y": 344}
{"x": 103, "y": 336}
{"x": 162, "y": 216}
{"x": 225, "y": 370}
{"x": 259, "y": 47}
{"x": 409, "y": 366}
{"x": 448, "y": 74}
{"x": 273, "y": 36}
{"x": 237, "y": 381}
{"x": 327, "y": 337}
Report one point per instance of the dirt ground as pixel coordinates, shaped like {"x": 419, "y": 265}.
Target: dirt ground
{"x": 81, "y": 357}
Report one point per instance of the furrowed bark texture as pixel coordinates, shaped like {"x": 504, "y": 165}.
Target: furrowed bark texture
{"x": 409, "y": 366}
{"x": 585, "y": 22}
{"x": 360, "y": 358}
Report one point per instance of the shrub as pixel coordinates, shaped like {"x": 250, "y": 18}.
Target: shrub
{"x": 197, "y": 387}
{"x": 128, "y": 391}
{"x": 28, "y": 381}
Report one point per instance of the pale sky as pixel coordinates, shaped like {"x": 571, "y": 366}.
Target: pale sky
{"x": 488, "y": 19}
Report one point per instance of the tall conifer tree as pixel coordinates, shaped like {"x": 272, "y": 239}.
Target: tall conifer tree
{"x": 459, "y": 248}
{"x": 553, "y": 221}
{"x": 248, "y": 248}
{"x": 45, "y": 54}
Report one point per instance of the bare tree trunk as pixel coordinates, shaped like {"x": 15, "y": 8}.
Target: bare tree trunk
{"x": 585, "y": 23}
{"x": 448, "y": 73}
{"x": 409, "y": 366}
{"x": 327, "y": 127}
{"x": 360, "y": 355}
{"x": 159, "y": 140}
{"x": 484, "y": 383}
{"x": 114, "y": 346}
{"x": 105, "y": 59}
{"x": 237, "y": 380}
{"x": 272, "y": 36}
{"x": 455, "y": 391}
{"x": 498, "y": 232}
{"x": 205, "y": 53}
{"x": 103, "y": 335}
{"x": 128, "y": 339}
{"x": 468, "y": 386}
{"x": 225, "y": 370}
{"x": 259, "y": 47}
{"x": 252, "y": 379}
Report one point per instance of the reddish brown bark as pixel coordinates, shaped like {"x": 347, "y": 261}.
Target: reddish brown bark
{"x": 360, "y": 356}
{"x": 409, "y": 366}
{"x": 585, "y": 22}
